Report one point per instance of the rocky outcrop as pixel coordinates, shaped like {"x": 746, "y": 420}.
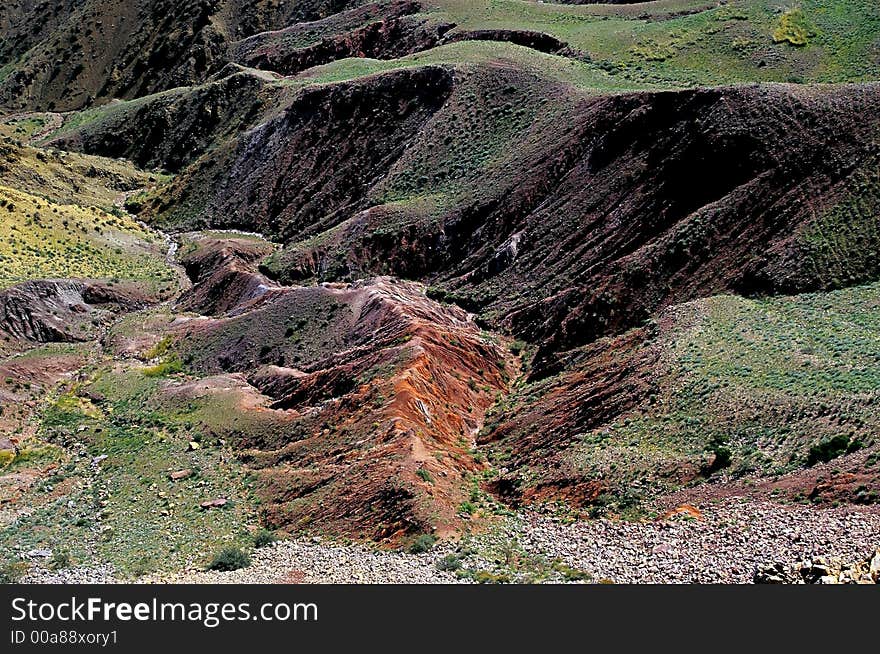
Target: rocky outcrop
{"x": 224, "y": 273}
{"x": 821, "y": 570}
{"x": 62, "y": 310}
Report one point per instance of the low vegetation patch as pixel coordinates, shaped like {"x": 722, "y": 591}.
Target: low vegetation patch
{"x": 794, "y": 29}
{"x": 422, "y": 544}
{"x": 228, "y": 559}
{"x": 264, "y": 538}
{"x": 40, "y": 240}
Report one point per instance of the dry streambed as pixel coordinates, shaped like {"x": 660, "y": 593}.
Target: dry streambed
{"x": 726, "y": 543}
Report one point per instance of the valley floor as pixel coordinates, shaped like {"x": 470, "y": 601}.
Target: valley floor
{"x": 722, "y": 542}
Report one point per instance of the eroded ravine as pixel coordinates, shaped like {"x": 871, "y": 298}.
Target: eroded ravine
{"x": 367, "y": 431}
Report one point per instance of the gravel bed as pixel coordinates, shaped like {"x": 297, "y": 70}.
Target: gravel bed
{"x": 102, "y": 574}
{"x": 724, "y": 545}
{"x": 311, "y": 561}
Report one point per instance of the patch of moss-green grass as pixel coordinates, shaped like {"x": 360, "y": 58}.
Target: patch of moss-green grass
{"x": 762, "y": 381}
{"x": 121, "y": 505}
{"x": 40, "y": 239}
{"x": 794, "y": 29}
{"x": 700, "y": 43}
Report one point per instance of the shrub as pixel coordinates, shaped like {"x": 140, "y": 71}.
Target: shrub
{"x": 449, "y": 563}
{"x": 170, "y": 367}
{"x": 12, "y": 573}
{"x": 228, "y": 559}
{"x": 517, "y": 348}
{"x": 486, "y": 577}
{"x": 831, "y": 448}
{"x": 794, "y": 28}
{"x": 159, "y": 349}
{"x": 723, "y": 456}
{"x": 263, "y": 538}
{"x": 143, "y": 566}
{"x": 571, "y": 574}
{"x": 425, "y": 475}
{"x": 60, "y": 560}
{"x": 422, "y": 544}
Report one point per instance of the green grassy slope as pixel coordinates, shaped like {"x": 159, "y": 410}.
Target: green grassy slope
{"x": 68, "y": 177}
{"x": 687, "y": 42}
{"x": 125, "y": 509}
{"x": 739, "y": 387}
{"x": 41, "y": 239}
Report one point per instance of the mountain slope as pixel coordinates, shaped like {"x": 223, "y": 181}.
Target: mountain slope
{"x": 608, "y": 208}
{"x": 422, "y": 264}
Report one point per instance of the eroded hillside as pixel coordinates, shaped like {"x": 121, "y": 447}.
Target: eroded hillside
{"x": 392, "y": 270}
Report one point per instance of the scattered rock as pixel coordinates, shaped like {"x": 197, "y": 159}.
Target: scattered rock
{"x": 214, "y": 504}
{"x": 773, "y": 573}
{"x": 833, "y": 571}
{"x": 180, "y": 474}
{"x": 735, "y": 542}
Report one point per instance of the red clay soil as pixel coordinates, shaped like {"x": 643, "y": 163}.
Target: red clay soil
{"x": 382, "y": 391}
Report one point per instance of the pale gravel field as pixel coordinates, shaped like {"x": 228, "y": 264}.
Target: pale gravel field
{"x": 724, "y": 546}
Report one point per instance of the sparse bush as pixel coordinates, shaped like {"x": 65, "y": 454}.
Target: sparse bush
{"x": 12, "y": 573}
{"x": 263, "y": 538}
{"x": 517, "y": 347}
{"x": 228, "y": 559}
{"x": 60, "y": 560}
{"x": 486, "y": 577}
{"x": 159, "y": 349}
{"x": 570, "y": 574}
{"x": 831, "y": 448}
{"x": 449, "y": 563}
{"x": 425, "y": 475}
{"x": 794, "y": 28}
{"x": 171, "y": 366}
{"x": 422, "y": 544}
{"x": 142, "y": 566}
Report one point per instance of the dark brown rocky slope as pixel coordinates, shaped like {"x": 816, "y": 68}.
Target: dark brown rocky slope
{"x": 69, "y": 55}
{"x": 635, "y": 202}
